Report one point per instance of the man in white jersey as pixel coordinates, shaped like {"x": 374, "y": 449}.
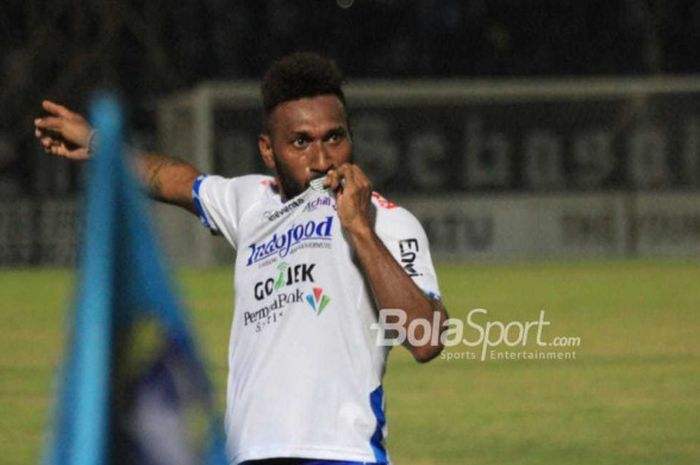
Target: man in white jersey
{"x": 318, "y": 253}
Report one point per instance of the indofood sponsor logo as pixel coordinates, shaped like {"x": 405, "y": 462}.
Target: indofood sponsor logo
{"x": 281, "y": 244}
{"x": 288, "y": 275}
{"x": 319, "y": 202}
{"x": 272, "y": 215}
{"x": 317, "y": 300}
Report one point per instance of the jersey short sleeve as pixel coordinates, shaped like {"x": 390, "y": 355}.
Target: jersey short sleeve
{"x": 407, "y": 242}
{"x": 222, "y": 202}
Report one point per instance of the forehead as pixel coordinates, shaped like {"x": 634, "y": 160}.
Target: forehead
{"x": 308, "y": 114}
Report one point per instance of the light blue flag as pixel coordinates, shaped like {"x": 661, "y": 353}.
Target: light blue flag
{"x": 134, "y": 390}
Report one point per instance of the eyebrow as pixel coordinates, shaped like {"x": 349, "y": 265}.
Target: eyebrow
{"x": 335, "y": 130}
{"x": 329, "y": 132}
{"x": 295, "y": 134}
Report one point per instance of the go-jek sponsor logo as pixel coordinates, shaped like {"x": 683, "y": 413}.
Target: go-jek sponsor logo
{"x": 276, "y": 293}
{"x": 318, "y": 300}
{"x": 288, "y": 275}
{"x": 281, "y": 244}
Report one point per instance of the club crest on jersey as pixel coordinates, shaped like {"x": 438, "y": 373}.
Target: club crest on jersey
{"x": 317, "y": 300}
{"x": 281, "y": 244}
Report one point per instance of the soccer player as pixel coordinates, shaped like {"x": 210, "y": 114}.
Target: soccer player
{"x": 318, "y": 254}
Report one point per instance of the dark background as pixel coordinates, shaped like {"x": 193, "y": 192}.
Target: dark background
{"x": 64, "y": 49}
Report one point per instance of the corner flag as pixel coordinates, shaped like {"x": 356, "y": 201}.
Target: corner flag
{"x": 134, "y": 390}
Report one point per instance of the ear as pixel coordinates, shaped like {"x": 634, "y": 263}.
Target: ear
{"x": 265, "y": 148}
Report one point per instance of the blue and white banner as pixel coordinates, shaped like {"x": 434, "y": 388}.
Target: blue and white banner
{"x": 133, "y": 389}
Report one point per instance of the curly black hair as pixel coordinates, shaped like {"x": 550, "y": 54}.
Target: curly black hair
{"x": 300, "y": 75}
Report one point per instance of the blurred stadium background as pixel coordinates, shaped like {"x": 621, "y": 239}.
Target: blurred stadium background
{"x": 550, "y": 148}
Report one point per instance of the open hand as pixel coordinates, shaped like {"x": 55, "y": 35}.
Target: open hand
{"x": 63, "y": 132}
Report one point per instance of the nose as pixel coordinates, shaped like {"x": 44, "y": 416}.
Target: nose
{"x": 321, "y": 160}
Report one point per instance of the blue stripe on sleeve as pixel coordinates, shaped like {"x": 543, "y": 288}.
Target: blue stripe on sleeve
{"x": 433, "y": 295}
{"x": 198, "y": 203}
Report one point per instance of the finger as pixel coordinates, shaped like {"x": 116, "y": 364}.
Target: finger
{"x": 342, "y": 170}
{"x": 347, "y": 176}
{"x": 56, "y": 109}
{"x": 332, "y": 180}
{"x": 47, "y": 137}
{"x": 356, "y": 183}
{"x": 60, "y": 149}
{"x": 52, "y": 123}
{"x": 57, "y": 149}
{"x": 77, "y": 154}
{"x": 329, "y": 178}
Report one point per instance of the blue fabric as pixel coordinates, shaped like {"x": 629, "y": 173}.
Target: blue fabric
{"x": 198, "y": 203}
{"x": 432, "y": 295}
{"x": 376, "y": 399}
{"x": 130, "y": 360}
{"x": 305, "y": 462}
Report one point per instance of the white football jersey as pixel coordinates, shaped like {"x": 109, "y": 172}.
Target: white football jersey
{"x": 305, "y": 371}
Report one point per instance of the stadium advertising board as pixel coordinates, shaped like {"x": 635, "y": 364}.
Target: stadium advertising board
{"x": 560, "y": 226}
{"x": 493, "y": 170}
{"x": 559, "y": 143}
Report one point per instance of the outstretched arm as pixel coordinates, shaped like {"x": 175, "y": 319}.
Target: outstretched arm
{"x": 65, "y": 133}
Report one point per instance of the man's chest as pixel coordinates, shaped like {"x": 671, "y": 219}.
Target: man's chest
{"x": 294, "y": 264}
{"x": 271, "y": 231}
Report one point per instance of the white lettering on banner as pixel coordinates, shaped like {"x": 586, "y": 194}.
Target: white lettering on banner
{"x": 589, "y": 229}
{"x": 487, "y": 156}
{"x": 426, "y": 157}
{"x": 545, "y": 226}
{"x": 451, "y": 233}
{"x": 549, "y": 157}
{"x": 543, "y": 156}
